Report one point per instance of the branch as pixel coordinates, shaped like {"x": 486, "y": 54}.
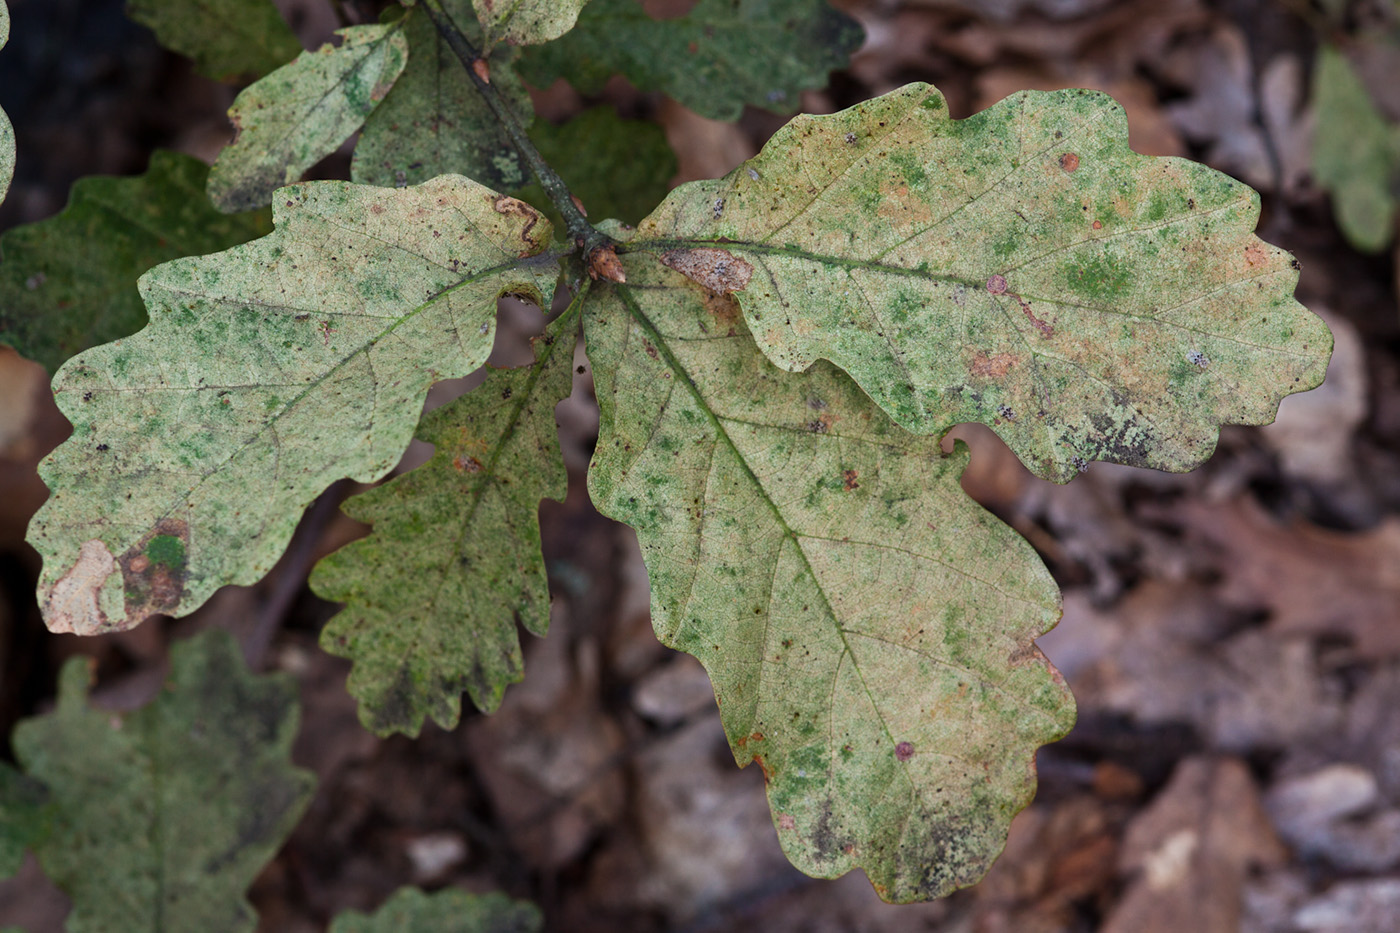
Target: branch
{"x": 587, "y": 237}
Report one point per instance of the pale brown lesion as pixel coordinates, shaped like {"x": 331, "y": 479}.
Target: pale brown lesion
{"x": 716, "y": 269}
{"x": 74, "y": 601}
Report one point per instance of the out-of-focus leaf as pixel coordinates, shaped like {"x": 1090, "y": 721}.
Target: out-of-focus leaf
{"x": 1355, "y": 155}
{"x": 446, "y": 911}
{"x": 618, "y": 168}
{"x": 526, "y": 22}
{"x": 226, "y": 38}
{"x": 1023, "y": 268}
{"x": 717, "y": 58}
{"x": 303, "y": 111}
{"x": 162, "y": 818}
{"x": 434, "y": 122}
{"x": 24, "y": 817}
{"x": 69, "y": 282}
{"x": 868, "y": 628}
{"x": 268, "y": 372}
{"x": 434, "y": 593}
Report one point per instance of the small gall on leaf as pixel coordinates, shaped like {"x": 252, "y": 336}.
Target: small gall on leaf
{"x": 997, "y": 285}
{"x": 1069, "y": 161}
{"x": 604, "y": 264}
{"x": 904, "y": 751}
{"x": 482, "y": 70}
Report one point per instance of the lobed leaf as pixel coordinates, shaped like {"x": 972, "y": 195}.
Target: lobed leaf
{"x": 7, "y": 131}
{"x": 1356, "y": 153}
{"x": 267, "y": 372}
{"x": 526, "y": 22}
{"x": 867, "y": 627}
{"x": 69, "y": 282}
{"x": 619, "y": 169}
{"x": 434, "y": 122}
{"x": 447, "y": 911}
{"x": 303, "y": 111}
{"x": 1022, "y": 267}
{"x": 163, "y": 817}
{"x": 434, "y": 593}
{"x": 226, "y": 38}
{"x": 720, "y": 56}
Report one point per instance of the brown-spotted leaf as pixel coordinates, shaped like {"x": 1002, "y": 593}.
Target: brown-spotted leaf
{"x": 267, "y": 372}
{"x": 868, "y": 628}
{"x": 526, "y": 22}
{"x": 1022, "y": 267}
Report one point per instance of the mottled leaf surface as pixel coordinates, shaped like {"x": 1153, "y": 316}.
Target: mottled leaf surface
{"x": 447, "y": 911}
{"x": 163, "y": 817}
{"x": 268, "y": 372}
{"x": 619, "y": 169}
{"x": 24, "y": 817}
{"x": 7, "y": 131}
{"x": 1023, "y": 268}
{"x": 226, "y": 38}
{"x": 526, "y": 22}
{"x": 434, "y": 122}
{"x": 434, "y": 593}
{"x": 720, "y": 56}
{"x": 867, "y": 627}
{"x": 69, "y": 282}
{"x": 1356, "y": 153}
{"x": 303, "y": 111}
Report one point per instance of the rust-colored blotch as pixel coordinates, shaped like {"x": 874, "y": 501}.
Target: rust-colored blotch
{"x": 1069, "y": 161}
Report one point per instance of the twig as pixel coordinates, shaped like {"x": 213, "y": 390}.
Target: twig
{"x": 587, "y": 237}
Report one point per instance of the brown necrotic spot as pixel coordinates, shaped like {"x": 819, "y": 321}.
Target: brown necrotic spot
{"x": 1069, "y": 161}
{"x": 74, "y": 602}
{"x": 716, "y": 269}
{"x": 154, "y": 570}
{"x": 464, "y": 464}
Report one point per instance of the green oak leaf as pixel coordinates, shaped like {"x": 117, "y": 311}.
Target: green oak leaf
{"x": 69, "y": 282}
{"x": 268, "y": 372}
{"x": 226, "y": 38}
{"x": 526, "y": 22}
{"x": 161, "y": 818}
{"x": 434, "y": 593}
{"x": 7, "y": 131}
{"x": 24, "y": 817}
{"x": 867, "y": 627}
{"x": 1355, "y": 155}
{"x": 619, "y": 169}
{"x": 434, "y": 121}
{"x": 720, "y": 56}
{"x": 303, "y": 111}
{"x": 1022, "y": 267}
{"x": 447, "y": 911}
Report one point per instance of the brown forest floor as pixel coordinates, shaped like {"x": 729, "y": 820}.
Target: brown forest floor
{"x": 1232, "y": 635}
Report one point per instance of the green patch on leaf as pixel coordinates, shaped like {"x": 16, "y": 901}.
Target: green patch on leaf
{"x": 1356, "y": 153}
{"x": 268, "y": 372}
{"x": 303, "y": 111}
{"x": 161, "y": 818}
{"x": 434, "y": 122}
{"x": 526, "y": 22}
{"x": 434, "y": 593}
{"x": 1035, "y": 275}
{"x": 720, "y": 56}
{"x": 69, "y": 282}
{"x": 447, "y": 911}
{"x": 867, "y": 627}
{"x": 619, "y": 169}
{"x": 226, "y": 38}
